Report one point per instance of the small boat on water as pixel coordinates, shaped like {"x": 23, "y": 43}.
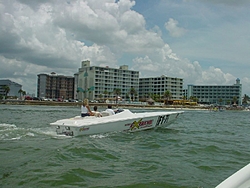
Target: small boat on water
{"x": 122, "y": 121}
{"x": 240, "y": 179}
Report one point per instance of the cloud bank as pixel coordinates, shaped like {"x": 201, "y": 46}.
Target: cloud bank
{"x": 55, "y": 36}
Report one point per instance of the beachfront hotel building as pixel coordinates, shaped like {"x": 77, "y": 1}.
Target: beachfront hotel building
{"x": 216, "y": 94}
{"x": 14, "y": 88}
{"x": 94, "y": 82}
{"x": 53, "y": 86}
{"x": 159, "y": 85}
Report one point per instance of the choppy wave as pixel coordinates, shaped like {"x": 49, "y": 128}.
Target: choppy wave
{"x": 200, "y": 149}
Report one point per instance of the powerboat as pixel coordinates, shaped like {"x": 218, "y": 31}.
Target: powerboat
{"x": 124, "y": 120}
{"x": 240, "y": 179}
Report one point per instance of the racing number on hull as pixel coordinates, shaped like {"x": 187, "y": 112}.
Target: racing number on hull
{"x": 162, "y": 120}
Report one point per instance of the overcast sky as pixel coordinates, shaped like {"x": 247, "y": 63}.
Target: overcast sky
{"x": 202, "y": 41}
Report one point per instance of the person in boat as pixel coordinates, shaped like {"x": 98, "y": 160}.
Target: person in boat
{"x": 110, "y": 110}
{"x": 96, "y": 113}
{"x": 85, "y": 110}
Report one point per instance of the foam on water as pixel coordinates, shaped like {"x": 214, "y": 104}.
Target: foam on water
{"x": 100, "y": 135}
{"x": 13, "y": 132}
{"x": 200, "y": 149}
{"x": 6, "y": 126}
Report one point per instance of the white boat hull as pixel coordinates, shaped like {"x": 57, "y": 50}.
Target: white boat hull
{"x": 240, "y": 179}
{"x": 123, "y": 121}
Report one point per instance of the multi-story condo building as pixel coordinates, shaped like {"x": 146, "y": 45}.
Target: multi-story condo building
{"x": 159, "y": 85}
{"x": 55, "y": 86}
{"x": 95, "y": 82}
{"x": 216, "y": 94}
{"x": 13, "y": 86}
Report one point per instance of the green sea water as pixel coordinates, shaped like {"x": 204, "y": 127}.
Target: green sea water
{"x": 200, "y": 149}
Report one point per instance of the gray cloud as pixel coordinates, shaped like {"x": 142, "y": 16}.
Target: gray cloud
{"x": 35, "y": 4}
{"x": 45, "y": 36}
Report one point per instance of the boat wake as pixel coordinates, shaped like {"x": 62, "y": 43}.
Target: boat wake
{"x": 13, "y": 132}
{"x": 6, "y": 126}
{"x": 103, "y": 135}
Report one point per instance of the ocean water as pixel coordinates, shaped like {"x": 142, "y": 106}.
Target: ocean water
{"x": 199, "y": 150}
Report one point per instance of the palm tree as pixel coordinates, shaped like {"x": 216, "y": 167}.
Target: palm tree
{"x": 117, "y": 92}
{"x": 20, "y": 92}
{"x": 24, "y": 93}
{"x": 149, "y": 95}
{"x": 105, "y": 93}
{"x": 136, "y": 95}
{"x": 245, "y": 99}
{"x": 84, "y": 93}
{"x": 78, "y": 91}
{"x": 220, "y": 101}
{"x": 109, "y": 93}
{"x": 234, "y": 100}
{"x": 127, "y": 96}
{"x": 167, "y": 96}
{"x": 100, "y": 96}
{"x": 132, "y": 92}
{"x": 193, "y": 99}
{"x": 6, "y": 90}
{"x": 157, "y": 97}
{"x": 89, "y": 91}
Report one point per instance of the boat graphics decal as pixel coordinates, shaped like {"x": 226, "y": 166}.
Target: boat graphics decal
{"x": 135, "y": 125}
{"x": 83, "y": 129}
{"x": 139, "y": 124}
{"x": 162, "y": 120}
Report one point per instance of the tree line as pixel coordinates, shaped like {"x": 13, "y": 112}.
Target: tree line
{"x": 167, "y": 95}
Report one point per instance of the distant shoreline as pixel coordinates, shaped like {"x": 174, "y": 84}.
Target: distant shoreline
{"x": 54, "y": 103}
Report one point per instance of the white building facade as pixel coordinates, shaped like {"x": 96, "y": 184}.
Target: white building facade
{"x": 94, "y": 82}
{"x": 14, "y": 88}
{"x": 216, "y": 94}
{"x": 159, "y": 85}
